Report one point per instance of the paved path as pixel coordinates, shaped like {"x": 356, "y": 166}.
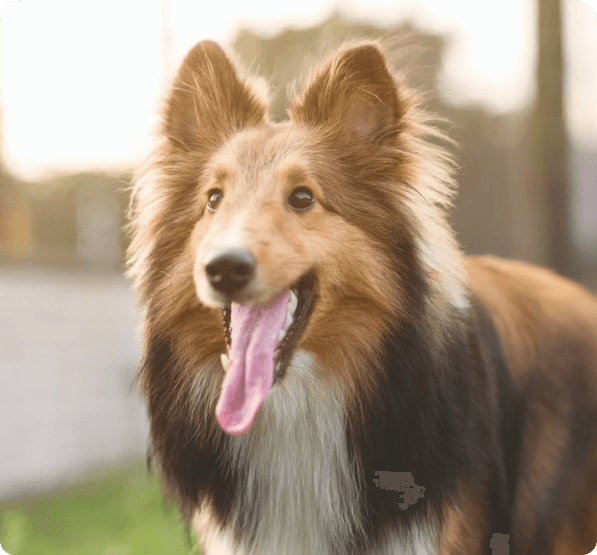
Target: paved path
{"x": 67, "y": 358}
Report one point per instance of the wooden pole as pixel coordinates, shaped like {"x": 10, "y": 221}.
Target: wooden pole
{"x": 550, "y": 137}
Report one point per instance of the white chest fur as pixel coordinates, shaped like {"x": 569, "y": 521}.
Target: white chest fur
{"x": 299, "y": 476}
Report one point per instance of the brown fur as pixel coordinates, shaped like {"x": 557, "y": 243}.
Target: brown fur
{"x": 386, "y": 263}
{"x": 548, "y": 326}
{"x": 465, "y": 523}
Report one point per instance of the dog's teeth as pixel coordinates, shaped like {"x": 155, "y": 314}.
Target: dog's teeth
{"x": 225, "y": 362}
{"x": 288, "y": 320}
{"x": 293, "y": 303}
{"x": 281, "y": 335}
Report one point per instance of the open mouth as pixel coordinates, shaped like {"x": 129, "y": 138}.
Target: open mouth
{"x": 298, "y": 312}
{"x": 261, "y": 340}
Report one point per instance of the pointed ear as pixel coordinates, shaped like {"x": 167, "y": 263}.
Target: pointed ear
{"x": 208, "y": 101}
{"x": 354, "y": 94}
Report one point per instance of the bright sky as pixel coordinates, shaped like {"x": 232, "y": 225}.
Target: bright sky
{"x": 81, "y": 82}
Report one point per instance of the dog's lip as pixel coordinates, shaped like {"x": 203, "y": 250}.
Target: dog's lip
{"x": 304, "y": 289}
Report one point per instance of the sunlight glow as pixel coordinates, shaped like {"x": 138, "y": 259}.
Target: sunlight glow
{"x": 581, "y": 94}
{"x": 81, "y": 82}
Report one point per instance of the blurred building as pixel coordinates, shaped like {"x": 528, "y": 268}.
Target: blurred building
{"x": 16, "y": 227}
{"x": 72, "y": 220}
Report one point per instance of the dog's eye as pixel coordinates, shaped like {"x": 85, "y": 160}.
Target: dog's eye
{"x": 215, "y": 197}
{"x": 301, "y": 199}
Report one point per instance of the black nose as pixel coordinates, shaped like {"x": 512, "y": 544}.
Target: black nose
{"x": 231, "y": 270}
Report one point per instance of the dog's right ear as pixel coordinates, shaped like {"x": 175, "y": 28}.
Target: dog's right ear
{"x": 208, "y": 101}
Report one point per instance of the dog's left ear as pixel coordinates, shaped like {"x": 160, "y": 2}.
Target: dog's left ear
{"x": 353, "y": 95}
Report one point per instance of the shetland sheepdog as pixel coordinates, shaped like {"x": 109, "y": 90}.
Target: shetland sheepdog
{"x": 325, "y": 372}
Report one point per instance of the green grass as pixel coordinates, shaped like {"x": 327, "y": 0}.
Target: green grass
{"x": 120, "y": 513}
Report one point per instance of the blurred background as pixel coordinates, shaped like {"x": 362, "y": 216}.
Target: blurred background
{"x": 81, "y": 84}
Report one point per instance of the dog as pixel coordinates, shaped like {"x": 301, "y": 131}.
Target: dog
{"x": 325, "y": 372}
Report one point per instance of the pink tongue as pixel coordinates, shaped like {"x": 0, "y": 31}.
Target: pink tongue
{"x": 255, "y": 332}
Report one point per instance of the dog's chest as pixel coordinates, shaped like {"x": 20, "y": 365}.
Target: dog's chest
{"x": 299, "y": 494}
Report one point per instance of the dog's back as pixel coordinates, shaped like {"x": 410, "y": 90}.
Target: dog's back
{"x": 548, "y": 328}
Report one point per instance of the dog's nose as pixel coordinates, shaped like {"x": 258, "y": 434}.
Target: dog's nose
{"x": 231, "y": 270}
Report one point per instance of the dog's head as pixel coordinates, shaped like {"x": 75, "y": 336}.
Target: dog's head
{"x": 301, "y": 233}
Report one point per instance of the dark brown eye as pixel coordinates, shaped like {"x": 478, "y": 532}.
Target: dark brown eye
{"x": 215, "y": 197}
{"x": 301, "y": 199}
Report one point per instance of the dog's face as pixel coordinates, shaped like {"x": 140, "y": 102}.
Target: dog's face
{"x": 264, "y": 225}
{"x": 291, "y": 229}
{"x": 278, "y": 202}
